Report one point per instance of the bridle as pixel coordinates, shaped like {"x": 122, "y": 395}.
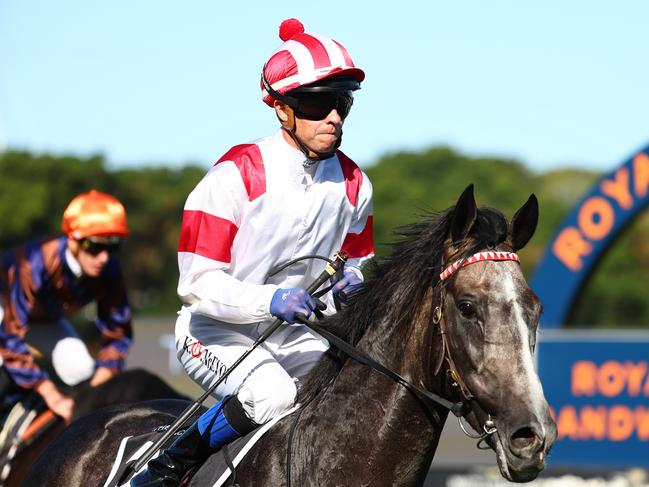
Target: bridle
{"x": 495, "y": 255}
{"x": 455, "y": 380}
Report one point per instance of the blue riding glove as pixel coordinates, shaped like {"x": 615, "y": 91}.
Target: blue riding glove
{"x": 347, "y": 286}
{"x": 287, "y": 303}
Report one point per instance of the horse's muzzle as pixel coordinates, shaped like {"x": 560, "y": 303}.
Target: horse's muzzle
{"x": 522, "y": 453}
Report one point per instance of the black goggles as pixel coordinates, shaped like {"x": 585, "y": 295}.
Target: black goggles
{"x": 318, "y": 101}
{"x": 94, "y": 247}
{"x": 317, "y": 106}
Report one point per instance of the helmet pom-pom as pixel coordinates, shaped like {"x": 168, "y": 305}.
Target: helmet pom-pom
{"x": 290, "y": 28}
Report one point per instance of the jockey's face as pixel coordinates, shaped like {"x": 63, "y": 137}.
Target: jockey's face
{"x": 321, "y": 136}
{"x": 92, "y": 261}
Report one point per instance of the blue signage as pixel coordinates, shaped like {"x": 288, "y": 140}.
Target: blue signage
{"x": 597, "y": 385}
{"x": 585, "y": 235}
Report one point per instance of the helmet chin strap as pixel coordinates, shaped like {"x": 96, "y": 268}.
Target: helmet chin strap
{"x": 311, "y": 155}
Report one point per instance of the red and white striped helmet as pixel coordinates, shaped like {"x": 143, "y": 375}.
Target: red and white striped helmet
{"x": 305, "y": 58}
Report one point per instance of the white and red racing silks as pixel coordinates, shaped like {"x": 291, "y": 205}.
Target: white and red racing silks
{"x": 256, "y": 209}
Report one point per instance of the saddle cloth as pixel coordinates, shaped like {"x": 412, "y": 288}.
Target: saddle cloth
{"x": 25, "y": 420}
{"x": 215, "y": 470}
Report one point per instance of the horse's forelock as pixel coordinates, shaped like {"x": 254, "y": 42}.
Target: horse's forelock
{"x": 490, "y": 228}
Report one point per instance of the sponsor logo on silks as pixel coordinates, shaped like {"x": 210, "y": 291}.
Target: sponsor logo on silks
{"x": 196, "y": 349}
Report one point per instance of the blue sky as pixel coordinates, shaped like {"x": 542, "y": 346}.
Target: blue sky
{"x": 553, "y": 84}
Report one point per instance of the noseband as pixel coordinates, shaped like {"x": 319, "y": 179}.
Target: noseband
{"x": 455, "y": 380}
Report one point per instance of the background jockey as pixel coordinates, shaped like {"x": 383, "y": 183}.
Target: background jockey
{"x": 262, "y": 204}
{"x": 44, "y": 280}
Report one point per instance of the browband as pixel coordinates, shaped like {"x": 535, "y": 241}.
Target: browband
{"x": 478, "y": 257}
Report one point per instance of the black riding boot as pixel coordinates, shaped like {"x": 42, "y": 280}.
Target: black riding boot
{"x": 218, "y": 426}
{"x": 168, "y": 469}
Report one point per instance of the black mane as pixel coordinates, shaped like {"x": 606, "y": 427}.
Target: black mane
{"x": 407, "y": 272}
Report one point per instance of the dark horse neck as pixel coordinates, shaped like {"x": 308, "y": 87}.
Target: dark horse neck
{"x": 364, "y": 411}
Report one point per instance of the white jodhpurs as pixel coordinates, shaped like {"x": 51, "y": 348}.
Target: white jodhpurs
{"x": 266, "y": 381}
{"x": 58, "y": 342}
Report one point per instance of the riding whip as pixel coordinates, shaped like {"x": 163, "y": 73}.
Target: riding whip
{"x": 331, "y": 268}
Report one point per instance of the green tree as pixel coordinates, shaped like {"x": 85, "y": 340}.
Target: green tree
{"x": 407, "y": 186}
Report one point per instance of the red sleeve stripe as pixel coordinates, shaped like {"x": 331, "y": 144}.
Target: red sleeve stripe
{"x": 353, "y": 177}
{"x": 360, "y": 244}
{"x": 207, "y": 235}
{"x": 247, "y": 158}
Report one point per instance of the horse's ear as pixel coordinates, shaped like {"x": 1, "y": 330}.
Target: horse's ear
{"x": 524, "y": 223}
{"x": 464, "y": 215}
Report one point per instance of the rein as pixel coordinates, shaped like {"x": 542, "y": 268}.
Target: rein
{"x": 457, "y": 408}
{"x": 460, "y": 408}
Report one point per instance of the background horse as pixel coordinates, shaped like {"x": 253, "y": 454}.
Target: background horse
{"x": 468, "y": 335}
{"x": 130, "y": 386}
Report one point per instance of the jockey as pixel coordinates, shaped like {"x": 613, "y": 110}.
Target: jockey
{"x": 44, "y": 280}
{"x": 261, "y": 205}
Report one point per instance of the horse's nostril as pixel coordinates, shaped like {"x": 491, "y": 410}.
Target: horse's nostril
{"x": 525, "y": 442}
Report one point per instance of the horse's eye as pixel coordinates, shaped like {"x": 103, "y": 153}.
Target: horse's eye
{"x": 467, "y": 309}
